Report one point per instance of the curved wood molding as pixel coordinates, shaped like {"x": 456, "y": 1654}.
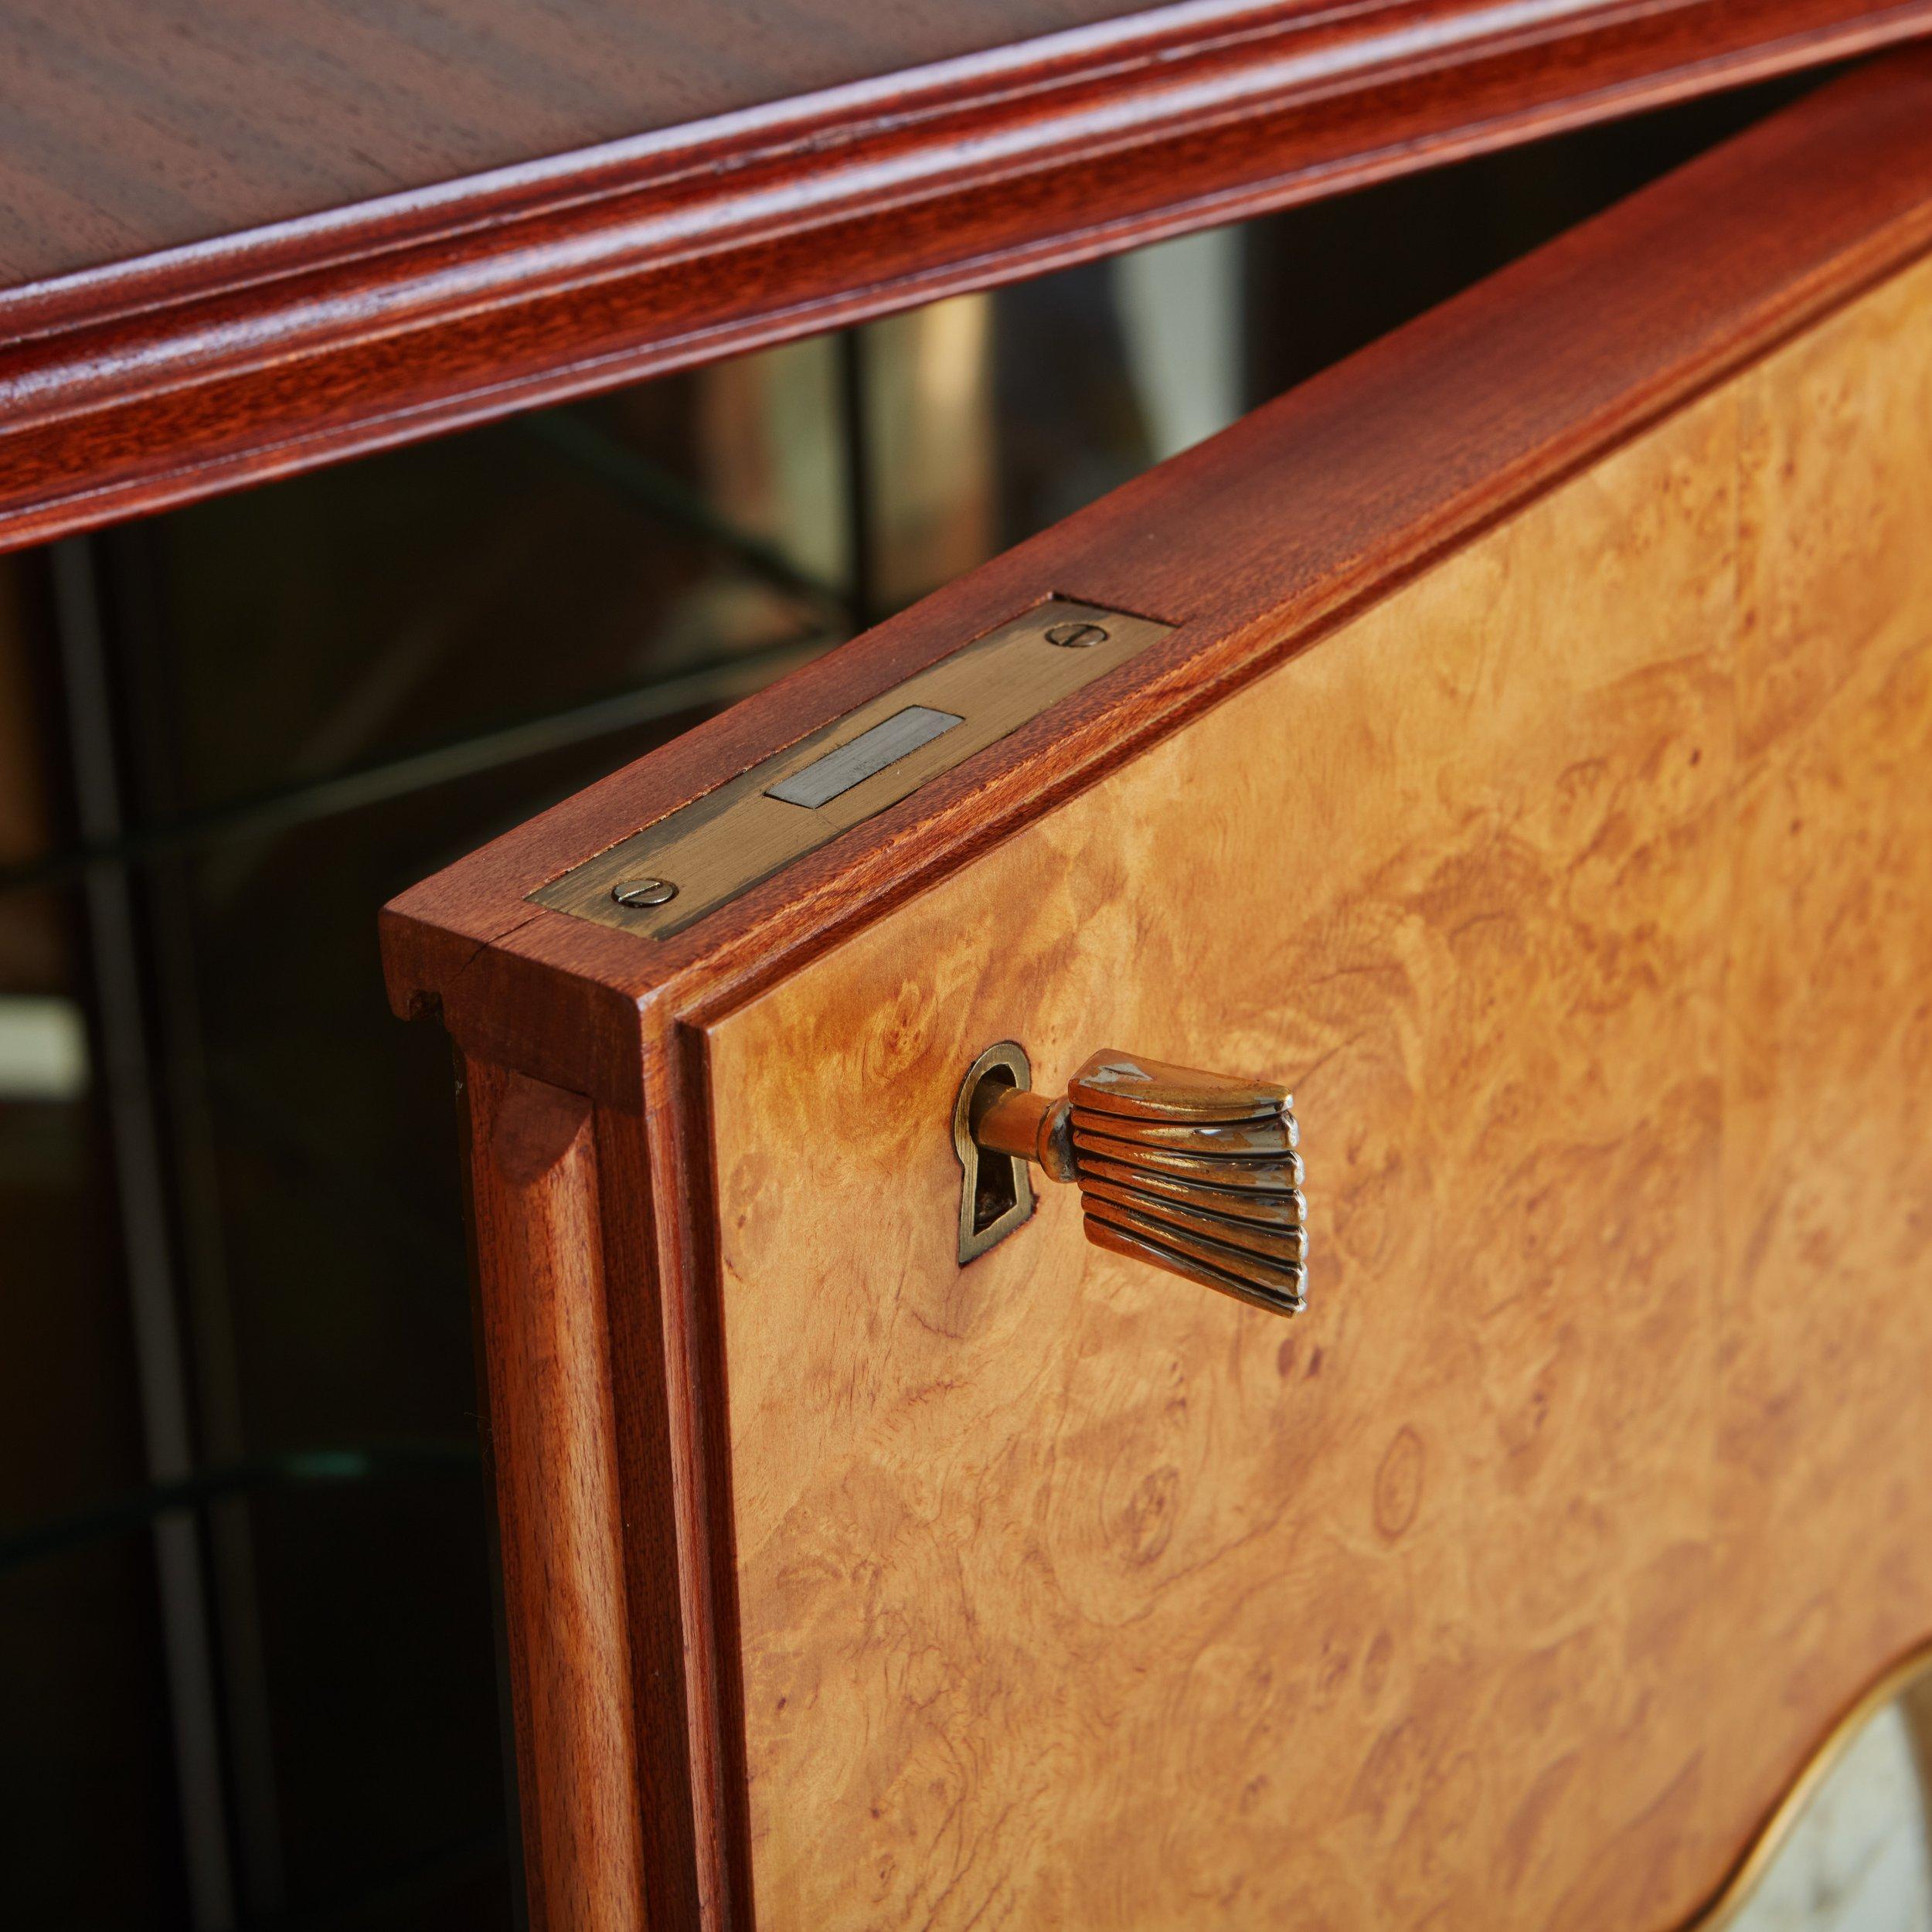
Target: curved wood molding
{"x": 553, "y": 1453}
{"x": 155, "y": 380}
{"x": 1744, "y": 1882}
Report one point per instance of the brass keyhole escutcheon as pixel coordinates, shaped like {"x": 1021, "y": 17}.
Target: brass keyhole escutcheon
{"x": 996, "y": 1194}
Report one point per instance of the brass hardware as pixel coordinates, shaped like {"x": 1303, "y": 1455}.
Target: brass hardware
{"x": 791, "y": 803}
{"x": 1077, "y": 636}
{"x": 1195, "y": 1172}
{"x": 997, "y": 1194}
{"x": 1030, "y": 1127}
{"x": 644, "y": 892}
{"x": 834, "y": 774}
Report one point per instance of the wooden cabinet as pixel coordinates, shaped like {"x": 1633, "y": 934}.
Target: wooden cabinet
{"x": 1525, "y": 761}
{"x": 1512, "y": 740}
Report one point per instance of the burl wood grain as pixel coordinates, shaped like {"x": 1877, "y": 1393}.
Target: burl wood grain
{"x": 1579, "y": 891}
{"x": 1261, "y": 543}
{"x": 1826, "y": 1440}
{"x": 553, "y": 1441}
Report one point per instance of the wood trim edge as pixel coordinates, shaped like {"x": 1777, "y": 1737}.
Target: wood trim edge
{"x": 158, "y": 381}
{"x": 534, "y": 1193}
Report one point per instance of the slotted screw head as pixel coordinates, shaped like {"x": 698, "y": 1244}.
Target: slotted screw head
{"x": 644, "y": 892}
{"x": 1077, "y": 636}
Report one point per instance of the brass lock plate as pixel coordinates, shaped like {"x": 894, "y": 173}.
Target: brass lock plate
{"x": 755, "y": 825}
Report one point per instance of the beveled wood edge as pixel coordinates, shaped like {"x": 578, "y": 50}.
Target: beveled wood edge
{"x": 536, "y": 1222}
{"x": 1377, "y": 467}
{"x": 791, "y": 127}
{"x": 158, "y": 381}
{"x": 671, "y": 1167}
{"x": 603, "y": 1434}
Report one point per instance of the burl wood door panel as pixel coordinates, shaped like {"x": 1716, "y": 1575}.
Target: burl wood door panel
{"x": 1558, "y": 830}
{"x": 1580, "y": 891}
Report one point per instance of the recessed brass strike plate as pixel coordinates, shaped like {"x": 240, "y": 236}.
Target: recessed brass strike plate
{"x": 790, "y": 804}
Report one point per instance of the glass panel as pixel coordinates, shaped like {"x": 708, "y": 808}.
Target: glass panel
{"x": 256, "y": 1590}
{"x": 340, "y": 621}
{"x": 86, "y": 1751}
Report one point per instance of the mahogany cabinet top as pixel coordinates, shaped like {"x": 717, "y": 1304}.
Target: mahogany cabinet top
{"x": 239, "y": 239}
{"x": 135, "y": 125}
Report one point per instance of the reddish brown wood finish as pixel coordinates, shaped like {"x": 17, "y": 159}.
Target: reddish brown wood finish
{"x": 553, "y": 1440}
{"x": 560, "y": 1200}
{"x": 246, "y": 314}
{"x": 138, "y": 126}
{"x": 1257, "y": 545}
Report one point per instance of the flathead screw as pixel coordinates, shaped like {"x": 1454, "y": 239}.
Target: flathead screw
{"x": 644, "y": 892}
{"x": 1077, "y": 636}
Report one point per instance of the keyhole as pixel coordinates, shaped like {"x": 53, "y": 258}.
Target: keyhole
{"x": 996, "y": 1192}
{"x": 996, "y": 1185}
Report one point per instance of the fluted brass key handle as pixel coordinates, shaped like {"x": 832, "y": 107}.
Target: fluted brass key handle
{"x": 1195, "y": 1172}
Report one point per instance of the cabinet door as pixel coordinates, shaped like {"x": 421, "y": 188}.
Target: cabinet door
{"x": 1516, "y": 742}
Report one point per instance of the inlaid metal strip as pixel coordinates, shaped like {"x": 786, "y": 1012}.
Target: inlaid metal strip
{"x": 709, "y": 850}
{"x": 901, "y": 734}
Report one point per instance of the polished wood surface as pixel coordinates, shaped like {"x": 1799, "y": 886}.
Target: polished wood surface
{"x": 137, "y": 126}
{"x": 234, "y": 245}
{"x": 1503, "y": 958}
{"x": 1582, "y": 901}
{"x": 552, "y": 1440}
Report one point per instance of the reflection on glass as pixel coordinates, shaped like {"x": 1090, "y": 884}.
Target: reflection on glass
{"x": 1851, "y": 1849}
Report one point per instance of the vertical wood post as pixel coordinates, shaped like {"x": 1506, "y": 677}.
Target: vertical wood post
{"x": 553, "y": 1442}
